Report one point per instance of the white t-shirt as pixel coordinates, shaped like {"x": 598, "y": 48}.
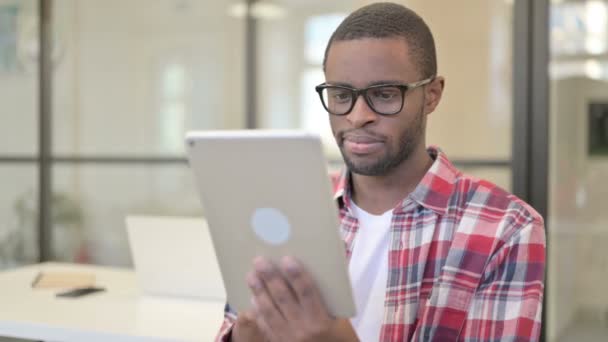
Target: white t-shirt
{"x": 368, "y": 269}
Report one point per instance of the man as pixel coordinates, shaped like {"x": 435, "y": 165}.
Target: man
{"x": 434, "y": 254}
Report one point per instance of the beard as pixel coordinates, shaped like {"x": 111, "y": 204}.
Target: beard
{"x": 408, "y": 140}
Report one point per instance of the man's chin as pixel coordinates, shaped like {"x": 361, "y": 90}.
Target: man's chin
{"x": 371, "y": 166}
{"x": 365, "y": 169}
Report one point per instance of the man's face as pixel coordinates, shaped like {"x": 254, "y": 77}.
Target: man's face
{"x": 373, "y": 144}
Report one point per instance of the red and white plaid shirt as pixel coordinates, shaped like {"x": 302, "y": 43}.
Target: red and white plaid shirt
{"x": 466, "y": 261}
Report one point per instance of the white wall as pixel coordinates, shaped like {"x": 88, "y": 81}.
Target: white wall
{"x": 473, "y": 41}
{"x": 110, "y": 91}
{"x": 112, "y": 78}
{"x": 19, "y": 88}
{"x": 578, "y": 221}
{"x": 18, "y": 136}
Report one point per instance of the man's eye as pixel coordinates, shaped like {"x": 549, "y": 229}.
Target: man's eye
{"x": 341, "y": 96}
{"x": 385, "y": 94}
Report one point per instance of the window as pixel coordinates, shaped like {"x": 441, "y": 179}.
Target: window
{"x": 318, "y": 30}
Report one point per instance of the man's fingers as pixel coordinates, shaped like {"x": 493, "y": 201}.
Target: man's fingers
{"x": 266, "y": 330}
{"x": 262, "y": 302}
{"x": 304, "y": 286}
{"x": 280, "y": 292}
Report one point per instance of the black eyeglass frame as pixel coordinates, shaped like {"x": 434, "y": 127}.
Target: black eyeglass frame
{"x": 355, "y": 93}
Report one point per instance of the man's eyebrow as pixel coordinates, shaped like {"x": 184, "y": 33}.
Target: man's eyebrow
{"x": 342, "y": 84}
{"x": 381, "y": 82}
{"x": 374, "y": 83}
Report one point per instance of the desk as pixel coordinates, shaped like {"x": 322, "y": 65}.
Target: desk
{"x": 119, "y": 314}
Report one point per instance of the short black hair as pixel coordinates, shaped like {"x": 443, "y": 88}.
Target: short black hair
{"x": 390, "y": 20}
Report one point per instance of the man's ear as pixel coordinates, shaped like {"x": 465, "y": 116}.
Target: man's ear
{"x": 434, "y": 91}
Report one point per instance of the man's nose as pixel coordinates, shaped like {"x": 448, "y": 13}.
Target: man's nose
{"x": 361, "y": 114}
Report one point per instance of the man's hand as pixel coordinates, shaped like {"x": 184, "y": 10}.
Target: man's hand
{"x": 246, "y": 329}
{"x": 289, "y": 307}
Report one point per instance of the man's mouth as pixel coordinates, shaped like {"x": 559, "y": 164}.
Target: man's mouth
{"x": 361, "y": 143}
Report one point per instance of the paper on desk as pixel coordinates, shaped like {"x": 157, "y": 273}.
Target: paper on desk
{"x": 54, "y": 279}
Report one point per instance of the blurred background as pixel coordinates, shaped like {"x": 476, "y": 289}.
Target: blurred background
{"x": 92, "y": 123}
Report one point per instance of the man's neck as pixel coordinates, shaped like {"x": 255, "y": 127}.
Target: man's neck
{"x": 378, "y": 194}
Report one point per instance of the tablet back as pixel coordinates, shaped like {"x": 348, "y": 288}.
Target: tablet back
{"x": 267, "y": 193}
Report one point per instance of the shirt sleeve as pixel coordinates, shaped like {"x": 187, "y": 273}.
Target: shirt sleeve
{"x": 225, "y": 333}
{"x": 507, "y": 306}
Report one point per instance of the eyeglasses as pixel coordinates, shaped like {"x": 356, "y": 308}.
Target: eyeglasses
{"x": 384, "y": 99}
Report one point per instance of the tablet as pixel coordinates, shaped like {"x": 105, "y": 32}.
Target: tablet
{"x": 267, "y": 193}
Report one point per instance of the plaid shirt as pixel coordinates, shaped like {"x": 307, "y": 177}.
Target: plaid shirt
{"x": 466, "y": 261}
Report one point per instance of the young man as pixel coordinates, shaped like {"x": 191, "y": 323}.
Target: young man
{"x": 433, "y": 254}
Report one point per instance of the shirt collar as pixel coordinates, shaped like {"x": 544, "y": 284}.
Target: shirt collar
{"x": 433, "y": 192}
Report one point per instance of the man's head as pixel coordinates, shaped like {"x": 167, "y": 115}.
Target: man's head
{"x": 389, "y": 20}
{"x": 382, "y": 43}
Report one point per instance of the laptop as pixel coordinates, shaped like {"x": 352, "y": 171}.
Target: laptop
{"x": 174, "y": 256}
{"x": 267, "y": 193}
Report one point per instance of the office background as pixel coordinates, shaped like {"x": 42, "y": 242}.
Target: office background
{"x": 95, "y": 97}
